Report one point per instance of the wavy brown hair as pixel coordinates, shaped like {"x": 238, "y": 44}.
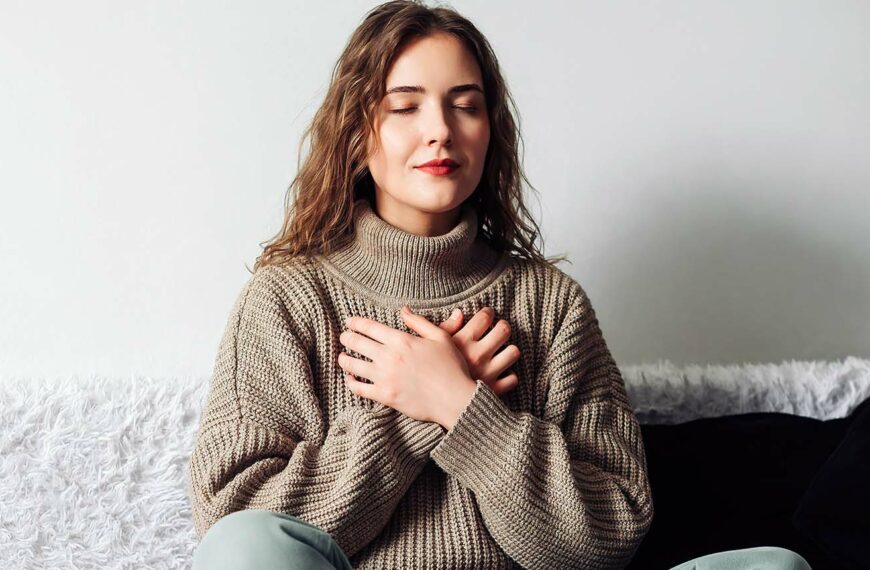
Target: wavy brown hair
{"x": 319, "y": 202}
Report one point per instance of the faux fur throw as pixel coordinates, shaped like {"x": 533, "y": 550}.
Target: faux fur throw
{"x": 91, "y": 469}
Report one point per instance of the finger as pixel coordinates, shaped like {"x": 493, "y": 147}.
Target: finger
{"x": 453, "y": 322}
{"x": 502, "y": 361}
{"x": 494, "y": 339}
{"x": 420, "y": 324}
{"x": 373, "y": 329}
{"x": 356, "y": 366}
{"x": 477, "y": 325}
{"x": 504, "y": 385}
{"x": 360, "y": 344}
{"x": 360, "y": 388}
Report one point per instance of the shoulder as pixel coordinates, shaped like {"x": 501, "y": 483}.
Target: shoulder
{"x": 549, "y": 282}
{"x": 287, "y": 293}
{"x": 295, "y": 282}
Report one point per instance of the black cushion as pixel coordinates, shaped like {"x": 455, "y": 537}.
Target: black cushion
{"x": 834, "y": 512}
{"x": 732, "y": 482}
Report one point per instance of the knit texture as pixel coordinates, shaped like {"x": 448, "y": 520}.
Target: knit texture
{"x": 550, "y": 475}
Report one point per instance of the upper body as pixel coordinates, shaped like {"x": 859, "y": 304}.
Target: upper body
{"x": 552, "y": 475}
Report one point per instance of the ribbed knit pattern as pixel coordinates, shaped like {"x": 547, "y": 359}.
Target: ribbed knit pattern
{"x": 551, "y": 475}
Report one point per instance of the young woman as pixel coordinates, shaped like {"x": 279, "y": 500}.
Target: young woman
{"x": 344, "y": 427}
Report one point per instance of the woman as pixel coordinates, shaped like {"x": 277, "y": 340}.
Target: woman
{"x": 342, "y": 430}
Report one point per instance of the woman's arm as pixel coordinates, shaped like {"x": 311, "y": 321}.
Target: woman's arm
{"x": 568, "y": 490}
{"x": 263, "y": 441}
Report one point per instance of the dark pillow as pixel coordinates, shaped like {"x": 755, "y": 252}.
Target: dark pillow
{"x": 834, "y": 512}
{"x": 732, "y": 482}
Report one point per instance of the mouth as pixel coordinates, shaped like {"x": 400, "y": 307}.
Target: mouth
{"x": 439, "y": 170}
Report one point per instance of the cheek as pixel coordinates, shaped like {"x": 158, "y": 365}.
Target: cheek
{"x": 479, "y": 137}
{"x": 397, "y": 145}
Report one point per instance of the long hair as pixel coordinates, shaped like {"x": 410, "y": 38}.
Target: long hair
{"x": 319, "y": 201}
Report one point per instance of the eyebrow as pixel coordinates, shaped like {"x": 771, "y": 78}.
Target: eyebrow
{"x": 420, "y": 89}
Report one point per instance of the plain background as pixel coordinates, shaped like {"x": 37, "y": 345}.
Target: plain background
{"x": 704, "y": 165}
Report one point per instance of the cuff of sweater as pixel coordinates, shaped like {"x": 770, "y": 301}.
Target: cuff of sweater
{"x": 483, "y": 431}
{"x": 416, "y": 437}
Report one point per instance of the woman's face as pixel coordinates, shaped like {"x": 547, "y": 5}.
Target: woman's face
{"x": 427, "y": 117}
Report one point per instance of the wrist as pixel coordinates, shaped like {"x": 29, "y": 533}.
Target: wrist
{"x": 458, "y": 402}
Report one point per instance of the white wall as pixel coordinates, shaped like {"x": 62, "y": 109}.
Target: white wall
{"x": 704, "y": 165}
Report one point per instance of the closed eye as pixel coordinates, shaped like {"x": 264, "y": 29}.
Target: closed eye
{"x": 411, "y": 110}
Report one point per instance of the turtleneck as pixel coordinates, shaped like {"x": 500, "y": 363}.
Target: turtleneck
{"x": 393, "y": 266}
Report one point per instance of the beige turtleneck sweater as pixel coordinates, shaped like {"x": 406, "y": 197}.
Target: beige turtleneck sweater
{"x": 551, "y": 475}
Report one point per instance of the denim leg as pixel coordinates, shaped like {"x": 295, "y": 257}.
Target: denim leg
{"x": 758, "y": 558}
{"x": 267, "y": 540}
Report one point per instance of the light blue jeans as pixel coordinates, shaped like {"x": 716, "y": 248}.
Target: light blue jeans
{"x": 758, "y": 558}
{"x": 267, "y": 540}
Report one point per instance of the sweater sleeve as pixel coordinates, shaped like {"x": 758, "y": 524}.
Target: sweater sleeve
{"x": 570, "y": 489}
{"x": 263, "y": 442}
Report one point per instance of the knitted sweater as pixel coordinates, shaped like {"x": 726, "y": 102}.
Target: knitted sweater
{"x": 550, "y": 475}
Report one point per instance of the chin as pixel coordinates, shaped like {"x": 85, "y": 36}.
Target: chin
{"x": 438, "y": 200}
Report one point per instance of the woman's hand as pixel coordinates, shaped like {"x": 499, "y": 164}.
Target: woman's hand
{"x": 426, "y": 377}
{"x": 479, "y": 354}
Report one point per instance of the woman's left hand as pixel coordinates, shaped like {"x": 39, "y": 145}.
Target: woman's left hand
{"x": 426, "y": 377}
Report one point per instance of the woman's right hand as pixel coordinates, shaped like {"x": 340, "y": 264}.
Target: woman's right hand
{"x": 479, "y": 353}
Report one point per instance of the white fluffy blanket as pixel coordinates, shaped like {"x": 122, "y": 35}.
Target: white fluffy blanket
{"x": 92, "y": 469}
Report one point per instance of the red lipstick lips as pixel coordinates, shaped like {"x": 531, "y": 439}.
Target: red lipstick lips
{"x": 439, "y": 166}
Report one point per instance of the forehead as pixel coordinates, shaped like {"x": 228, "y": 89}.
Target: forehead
{"x": 437, "y": 62}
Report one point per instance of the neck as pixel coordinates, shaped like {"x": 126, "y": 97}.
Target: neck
{"x": 394, "y": 266}
{"x": 410, "y": 219}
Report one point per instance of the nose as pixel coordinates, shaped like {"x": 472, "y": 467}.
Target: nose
{"x": 436, "y": 127}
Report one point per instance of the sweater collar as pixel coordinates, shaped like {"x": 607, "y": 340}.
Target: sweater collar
{"x": 392, "y": 265}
